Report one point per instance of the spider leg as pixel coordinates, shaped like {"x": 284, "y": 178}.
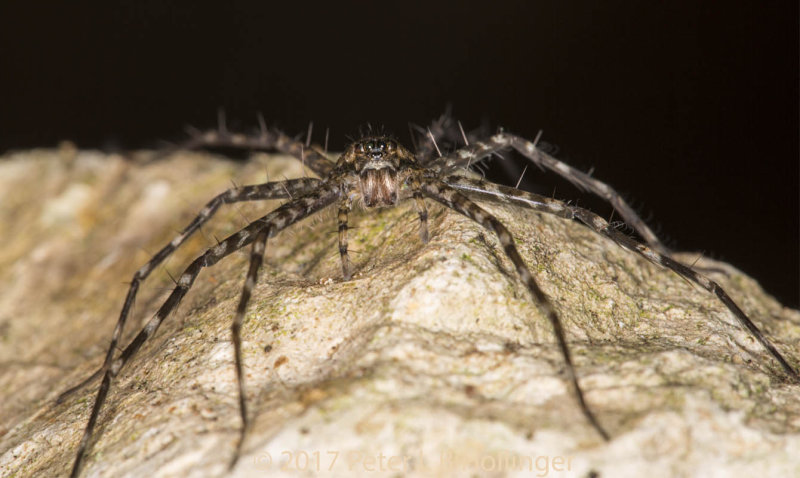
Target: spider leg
{"x": 500, "y": 141}
{"x": 422, "y": 211}
{"x": 256, "y": 259}
{"x": 444, "y": 132}
{"x": 451, "y": 198}
{"x": 511, "y": 195}
{"x": 601, "y": 226}
{"x": 266, "y": 139}
{"x": 584, "y": 181}
{"x": 282, "y": 217}
{"x": 464, "y": 158}
{"x": 428, "y": 138}
{"x": 347, "y": 267}
{"x": 273, "y": 190}
{"x": 66, "y": 393}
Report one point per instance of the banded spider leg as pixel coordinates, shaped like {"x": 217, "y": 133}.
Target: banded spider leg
{"x": 265, "y": 140}
{"x": 274, "y": 190}
{"x": 376, "y": 171}
{"x": 501, "y": 141}
{"x": 257, "y": 231}
{"x": 428, "y": 155}
{"x": 450, "y": 197}
{"x": 601, "y": 226}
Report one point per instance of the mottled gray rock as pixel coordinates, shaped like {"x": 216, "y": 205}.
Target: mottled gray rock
{"x": 423, "y": 364}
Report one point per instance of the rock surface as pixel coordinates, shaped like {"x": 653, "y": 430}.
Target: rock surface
{"x": 423, "y": 364}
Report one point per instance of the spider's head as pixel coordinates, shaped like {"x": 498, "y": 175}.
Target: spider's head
{"x": 376, "y": 159}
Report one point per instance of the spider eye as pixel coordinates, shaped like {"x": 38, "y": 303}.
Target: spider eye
{"x": 381, "y": 145}
{"x": 359, "y": 147}
{"x": 370, "y": 145}
{"x": 391, "y": 146}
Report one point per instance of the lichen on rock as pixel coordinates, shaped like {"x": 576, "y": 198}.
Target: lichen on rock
{"x": 433, "y": 359}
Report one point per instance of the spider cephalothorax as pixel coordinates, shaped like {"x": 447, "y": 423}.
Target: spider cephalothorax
{"x": 376, "y": 160}
{"x": 381, "y": 173}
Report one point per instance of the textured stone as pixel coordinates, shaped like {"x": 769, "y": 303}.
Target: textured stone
{"x": 432, "y": 360}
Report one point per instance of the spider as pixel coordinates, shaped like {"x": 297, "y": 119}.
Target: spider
{"x": 376, "y": 171}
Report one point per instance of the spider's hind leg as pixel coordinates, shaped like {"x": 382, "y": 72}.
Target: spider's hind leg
{"x": 265, "y": 139}
{"x": 586, "y": 182}
{"x": 480, "y": 150}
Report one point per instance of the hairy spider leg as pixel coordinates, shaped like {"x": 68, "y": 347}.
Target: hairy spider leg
{"x": 479, "y": 150}
{"x": 451, "y": 198}
{"x": 266, "y": 139}
{"x": 257, "y": 192}
{"x": 256, "y": 259}
{"x": 423, "y": 180}
{"x": 446, "y": 132}
{"x": 430, "y": 136}
{"x": 422, "y": 210}
{"x": 347, "y": 266}
{"x": 282, "y": 217}
{"x": 601, "y": 226}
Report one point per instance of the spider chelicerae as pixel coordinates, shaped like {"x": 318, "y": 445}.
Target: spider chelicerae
{"x": 376, "y": 171}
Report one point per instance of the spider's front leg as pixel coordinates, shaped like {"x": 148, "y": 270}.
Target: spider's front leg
{"x": 451, "y": 198}
{"x": 257, "y": 192}
{"x": 260, "y": 229}
{"x": 601, "y": 226}
{"x": 342, "y": 217}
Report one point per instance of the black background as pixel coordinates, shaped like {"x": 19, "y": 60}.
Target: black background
{"x": 688, "y": 108}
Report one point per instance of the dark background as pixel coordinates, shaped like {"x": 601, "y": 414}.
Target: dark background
{"x": 690, "y": 109}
